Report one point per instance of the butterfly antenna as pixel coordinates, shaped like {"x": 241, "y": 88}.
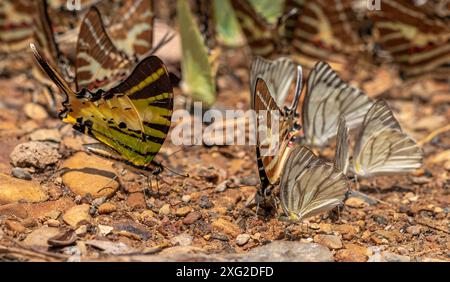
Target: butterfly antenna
{"x": 298, "y": 89}
{"x": 171, "y": 155}
{"x": 168, "y": 36}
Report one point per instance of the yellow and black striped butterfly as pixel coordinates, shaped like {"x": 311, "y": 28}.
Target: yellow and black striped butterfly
{"x": 131, "y": 119}
{"x": 418, "y": 42}
{"x": 381, "y": 145}
{"x": 309, "y": 185}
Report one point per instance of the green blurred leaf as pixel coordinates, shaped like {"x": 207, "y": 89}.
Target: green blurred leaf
{"x": 228, "y": 29}
{"x": 271, "y": 10}
{"x": 198, "y": 77}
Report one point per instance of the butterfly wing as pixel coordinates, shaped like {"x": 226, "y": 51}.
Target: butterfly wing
{"x": 99, "y": 64}
{"x": 258, "y": 32}
{"x": 16, "y": 25}
{"x": 310, "y": 186}
{"x": 382, "y": 147}
{"x": 327, "y": 98}
{"x": 417, "y": 49}
{"x": 132, "y": 118}
{"x": 278, "y": 75}
{"x": 342, "y": 154}
{"x": 199, "y": 79}
{"x": 321, "y": 30}
{"x": 131, "y": 28}
{"x": 272, "y": 134}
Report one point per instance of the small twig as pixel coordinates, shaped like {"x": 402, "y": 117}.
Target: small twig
{"x": 430, "y": 225}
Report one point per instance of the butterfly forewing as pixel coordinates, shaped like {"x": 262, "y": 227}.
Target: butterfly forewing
{"x": 99, "y": 64}
{"x": 310, "y": 186}
{"x": 327, "y": 99}
{"x": 382, "y": 147}
{"x": 278, "y": 74}
{"x": 272, "y": 134}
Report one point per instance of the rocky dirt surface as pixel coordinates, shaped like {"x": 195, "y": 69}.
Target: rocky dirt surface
{"x": 59, "y": 203}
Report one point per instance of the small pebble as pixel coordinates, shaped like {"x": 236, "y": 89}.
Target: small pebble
{"x": 356, "y": 203}
{"x": 186, "y": 198}
{"x": 330, "y": 241}
{"x": 242, "y": 239}
{"x": 105, "y": 230}
{"x": 183, "y": 211}
{"x": 53, "y": 223}
{"x": 107, "y": 208}
{"x": 20, "y": 173}
{"x": 414, "y": 230}
{"x": 81, "y": 230}
{"x": 165, "y": 210}
{"x": 191, "y": 218}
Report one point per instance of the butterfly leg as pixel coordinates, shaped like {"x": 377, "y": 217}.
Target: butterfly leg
{"x": 148, "y": 192}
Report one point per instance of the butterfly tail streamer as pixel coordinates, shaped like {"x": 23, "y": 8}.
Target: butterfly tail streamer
{"x": 52, "y": 73}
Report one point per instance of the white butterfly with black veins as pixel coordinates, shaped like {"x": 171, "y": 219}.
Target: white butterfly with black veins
{"x": 328, "y": 98}
{"x": 310, "y": 186}
{"x": 381, "y": 145}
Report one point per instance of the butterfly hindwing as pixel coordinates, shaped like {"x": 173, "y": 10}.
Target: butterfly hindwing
{"x": 310, "y": 186}
{"x": 131, "y": 28}
{"x": 382, "y": 147}
{"x": 261, "y": 37}
{"x": 99, "y": 64}
{"x": 321, "y": 30}
{"x": 272, "y": 134}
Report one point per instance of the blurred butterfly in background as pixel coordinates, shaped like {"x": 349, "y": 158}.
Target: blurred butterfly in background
{"x": 310, "y": 186}
{"x": 309, "y": 31}
{"x": 130, "y": 120}
{"x": 199, "y": 65}
{"x": 262, "y": 37}
{"x": 417, "y": 50}
{"x": 381, "y": 145}
{"x": 16, "y": 25}
{"x": 322, "y": 30}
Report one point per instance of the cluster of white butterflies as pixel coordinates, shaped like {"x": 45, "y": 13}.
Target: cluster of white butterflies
{"x": 308, "y": 184}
